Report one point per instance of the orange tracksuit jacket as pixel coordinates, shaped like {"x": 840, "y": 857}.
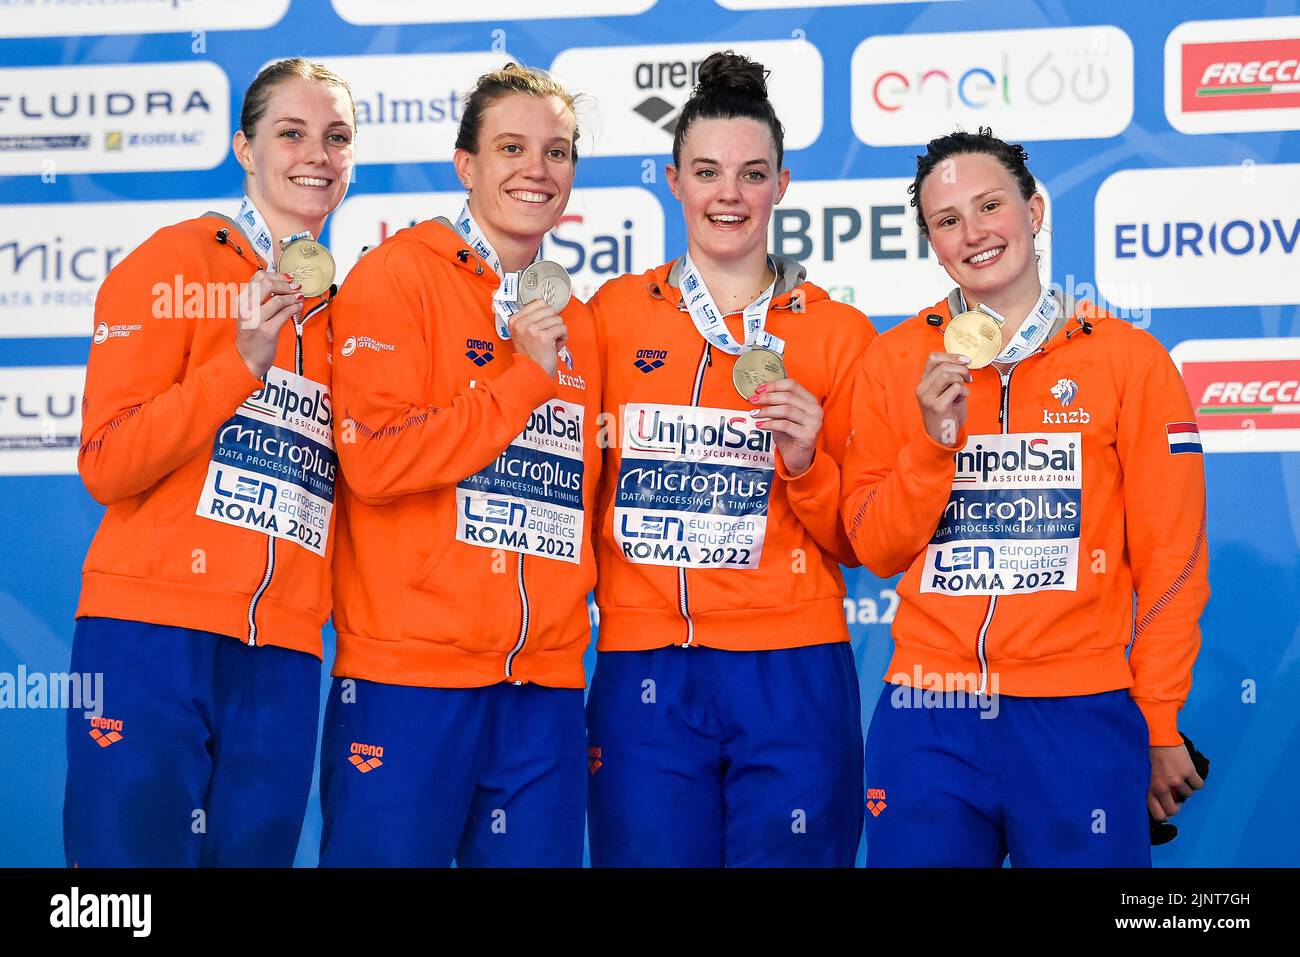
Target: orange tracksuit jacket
{"x": 653, "y": 355}
{"x": 1067, "y": 492}
{"x": 162, "y": 379}
{"x": 445, "y": 575}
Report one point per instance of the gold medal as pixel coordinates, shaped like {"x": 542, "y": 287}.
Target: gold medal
{"x": 753, "y": 368}
{"x": 310, "y": 264}
{"x": 973, "y": 334}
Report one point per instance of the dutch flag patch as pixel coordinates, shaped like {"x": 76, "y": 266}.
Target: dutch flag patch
{"x": 1184, "y": 437}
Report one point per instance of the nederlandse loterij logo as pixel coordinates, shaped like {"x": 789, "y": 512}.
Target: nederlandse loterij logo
{"x": 1233, "y": 76}
{"x": 1245, "y": 392}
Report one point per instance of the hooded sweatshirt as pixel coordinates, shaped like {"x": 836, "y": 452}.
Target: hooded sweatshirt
{"x": 464, "y": 553}
{"x": 219, "y": 486}
{"x": 1075, "y": 484}
{"x": 704, "y": 537}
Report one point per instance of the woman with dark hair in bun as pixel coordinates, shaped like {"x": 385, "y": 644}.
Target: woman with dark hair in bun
{"x": 1031, "y": 466}
{"x": 723, "y": 720}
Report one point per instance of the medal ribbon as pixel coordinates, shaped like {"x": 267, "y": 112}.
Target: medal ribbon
{"x": 1032, "y": 332}
{"x": 260, "y": 234}
{"x": 709, "y": 322}
{"x": 505, "y": 301}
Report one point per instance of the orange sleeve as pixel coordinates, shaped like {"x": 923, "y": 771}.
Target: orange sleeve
{"x": 391, "y": 437}
{"x": 144, "y": 413}
{"x": 1164, "y": 515}
{"x": 814, "y": 496}
{"x": 896, "y": 478}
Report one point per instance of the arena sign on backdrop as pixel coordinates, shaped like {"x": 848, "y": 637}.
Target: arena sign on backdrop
{"x": 409, "y": 105}
{"x": 40, "y": 419}
{"x": 859, "y": 241}
{"x": 604, "y": 232}
{"x": 53, "y": 257}
{"x": 1199, "y": 235}
{"x": 1233, "y": 76}
{"x": 113, "y": 119}
{"x": 1064, "y": 83}
{"x": 643, "y": 88}
{"x": 422, "y": 11}
{"x": 22, "y": 18}
{"x": 1245, "y": 392}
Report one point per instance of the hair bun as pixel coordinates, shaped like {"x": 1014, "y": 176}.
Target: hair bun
{"x": 731, "y": 71}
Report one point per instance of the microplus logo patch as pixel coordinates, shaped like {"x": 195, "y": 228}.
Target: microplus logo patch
{"x": 75, "y": 909}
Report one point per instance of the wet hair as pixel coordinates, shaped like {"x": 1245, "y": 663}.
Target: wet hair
{"x": 1011, "y": 155}
{"x": 729, "y": 85}
{"x": 511, "y": 78}
{"x": 258, "y": 95}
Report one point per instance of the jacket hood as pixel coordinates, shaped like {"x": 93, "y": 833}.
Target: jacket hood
{"x": 664, "y": 282}
{"x": 441, "y": 238}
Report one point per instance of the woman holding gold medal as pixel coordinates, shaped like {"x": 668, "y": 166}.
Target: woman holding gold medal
{"x": 208, "y": 436}
{"x": 1044, "y": 473}
{"x": 724, "y": 723}
{"x": 468, "y": 389}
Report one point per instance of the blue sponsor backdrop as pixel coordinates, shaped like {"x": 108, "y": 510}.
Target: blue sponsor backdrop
{"x": 1247, "y": 815}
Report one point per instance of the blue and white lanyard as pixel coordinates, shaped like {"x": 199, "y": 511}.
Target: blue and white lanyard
{"x": 505, "y": 301}
{"x": 255, "y": 228}
{"x": 1032, "y": 332}
{"x": 708, "y": 319}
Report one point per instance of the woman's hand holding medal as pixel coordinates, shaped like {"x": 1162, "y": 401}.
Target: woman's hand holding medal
{"x": 794, "y": 416}
{"x": 942, "y": 395}
{"x": 265, "y": 304}
{"x": 539, "y": 332}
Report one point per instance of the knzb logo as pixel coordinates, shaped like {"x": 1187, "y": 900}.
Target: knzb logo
{"x": 1065, "y": 391}
{"x": 479, "y": 352}
{"x": 647, "y": 360}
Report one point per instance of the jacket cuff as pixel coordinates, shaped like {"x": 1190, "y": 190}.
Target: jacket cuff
{"x": 1162, "y": 721}
{"x": 813, "y": 481}
{"x": 527, "y": 381}
{"x": 227, "y": 381}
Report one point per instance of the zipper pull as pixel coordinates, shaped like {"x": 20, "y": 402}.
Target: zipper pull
{"x": 708, "y": 354}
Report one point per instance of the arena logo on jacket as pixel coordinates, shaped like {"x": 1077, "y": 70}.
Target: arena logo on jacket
{"x": 529, "y": 500}
{"x": 273, "y": 463}
{"x": 1011, "y": 525}
{"x": 693, "y": 487}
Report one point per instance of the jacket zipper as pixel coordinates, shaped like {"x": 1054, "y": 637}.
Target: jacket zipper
{"x": 523, "y": 619}
{"x": 1004, "y": 420}
{"x": 270, "y": 539}
{"x": 683, "y": 595}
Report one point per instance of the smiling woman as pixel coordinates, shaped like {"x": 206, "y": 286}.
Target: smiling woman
{"x": 1030, "y": 464}
{"x": 208, "y": 580}
{"x": 467, "y": 435}
{"x": 720, "y": 592}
